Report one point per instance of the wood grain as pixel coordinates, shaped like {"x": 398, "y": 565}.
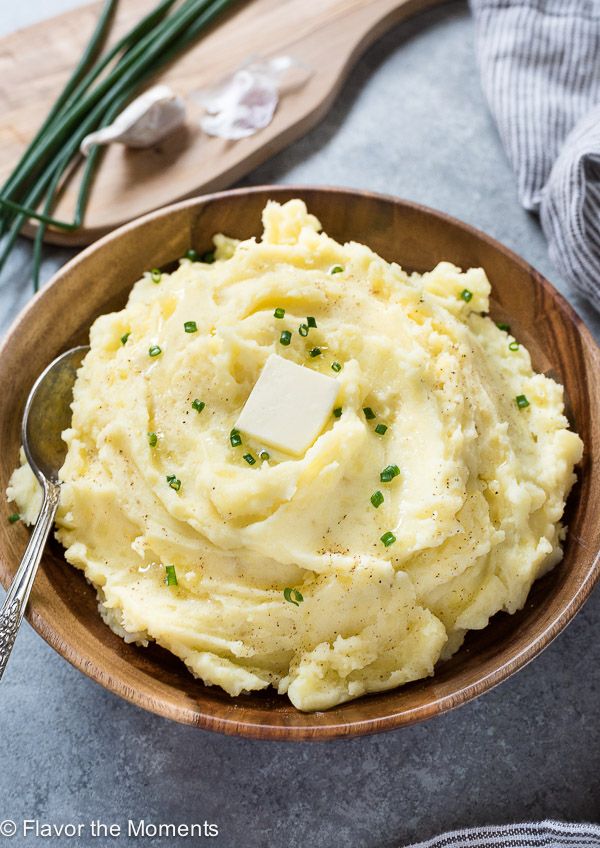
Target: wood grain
{"x": 327, "y": 35}
{"x": 63, "y": 607}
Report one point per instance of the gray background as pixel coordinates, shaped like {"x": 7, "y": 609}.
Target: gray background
{"x": 411, "y": 121}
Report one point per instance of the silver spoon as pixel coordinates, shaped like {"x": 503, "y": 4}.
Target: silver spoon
{"x": 47, "y": 414}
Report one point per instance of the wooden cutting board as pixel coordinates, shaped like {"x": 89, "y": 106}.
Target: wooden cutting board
{"x": 327, "y": 35}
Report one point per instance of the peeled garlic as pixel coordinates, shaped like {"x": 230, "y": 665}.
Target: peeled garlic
{"x": 147, "y": 120}
{"x": 246, "y": 101}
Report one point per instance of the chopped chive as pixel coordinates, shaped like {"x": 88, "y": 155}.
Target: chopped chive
{"x": 293, "y": 596}
{"x": 173, "y": 482}
{"x": 264, "y": 455}
{"x": 521, "y": 401}
{"x": 381, "y": 429}
{"x": 502, "y": 326}
{"x": 152, "y": 440}
{"x": 311, "y": 322}
{"x": 337, "y": 412}
{"x": 336, "y": 269}
{"x": 156, "y": 275}
{"x": 388, "y": 473}
{"x": 190, "y": 326}
{"x": 303, "y": 330}
{"x": 369, "y": 414}
{"x": 377, "y": 499}
{"x": 249, "y": 458}
{"x": 198, "y": 405}
{"x": 279, "y": 312}
{"x": 335, "y": 366}
{"x": 124, "y": 337}
{"x": 316, "y": 351}
{"x": 191, "y": 254}
{"x": 154, "y": 351}
{"x": 14, "y": 518}
{"x": 466, "y": 295}
{"x": 388, "y": 539}
{"x": 208, "y": 257}
{"x": 171, "y": 575}
{"x": 514, "y": 345}
{"x": 285, "y": 338}
{"x": 235, "y": 438}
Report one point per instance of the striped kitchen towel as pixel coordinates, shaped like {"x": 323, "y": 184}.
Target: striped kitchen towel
{"x": 540, "y": 70}
{"x": 544, "y": 834}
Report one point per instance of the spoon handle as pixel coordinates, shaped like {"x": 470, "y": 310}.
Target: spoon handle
{"x": 11, "y": 614}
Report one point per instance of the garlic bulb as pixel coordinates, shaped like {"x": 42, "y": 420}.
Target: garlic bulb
{"x": 147, "y": 120}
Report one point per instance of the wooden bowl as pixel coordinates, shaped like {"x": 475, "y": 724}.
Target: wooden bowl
{"x": 63, "y": 607}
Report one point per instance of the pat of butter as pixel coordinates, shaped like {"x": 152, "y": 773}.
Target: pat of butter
{"x": 288, "y": 406}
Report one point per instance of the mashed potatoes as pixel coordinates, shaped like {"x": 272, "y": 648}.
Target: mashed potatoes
{"x": 292, "y": 572}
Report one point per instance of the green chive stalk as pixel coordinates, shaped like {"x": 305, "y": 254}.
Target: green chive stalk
{"x": 138, "y": 60}
{"x": 45, "y": 218}
{"x": 76, "y": 87}
{"x": 87, "y": 58}
{"x": 147, "y": 63}
{"x": 148, "y": 47}
{"x": 51, "y": 175}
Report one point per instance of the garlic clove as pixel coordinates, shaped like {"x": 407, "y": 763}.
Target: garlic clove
{"x": 148, "y": 119}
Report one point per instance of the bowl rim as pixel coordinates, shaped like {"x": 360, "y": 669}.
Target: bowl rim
{"x": 318, "y": 732}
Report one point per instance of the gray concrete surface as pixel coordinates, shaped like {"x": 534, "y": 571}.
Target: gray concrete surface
{"x": 410, "y": 121}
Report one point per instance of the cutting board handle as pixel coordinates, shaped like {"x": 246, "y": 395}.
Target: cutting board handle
{"x": 385, "y": 14}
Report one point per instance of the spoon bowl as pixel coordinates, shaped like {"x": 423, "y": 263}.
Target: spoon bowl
{"x": 47, "y": 413}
